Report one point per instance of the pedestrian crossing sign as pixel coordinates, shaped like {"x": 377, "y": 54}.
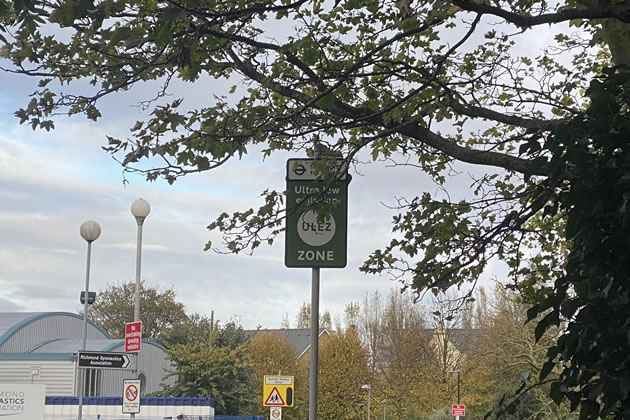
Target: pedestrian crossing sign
{"x": 274, "y": 399}
{"x": 278, "y": 391}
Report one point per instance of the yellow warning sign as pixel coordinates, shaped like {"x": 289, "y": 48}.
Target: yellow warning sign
{"x": 274, "y": 399}
{"x": 278, "y": 391}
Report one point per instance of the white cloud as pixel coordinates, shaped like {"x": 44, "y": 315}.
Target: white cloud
{"x": 46, "y": 196}
{"x": 51, "y": 182}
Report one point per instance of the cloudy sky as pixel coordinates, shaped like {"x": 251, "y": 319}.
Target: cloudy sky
{"x": 50, "y": 183}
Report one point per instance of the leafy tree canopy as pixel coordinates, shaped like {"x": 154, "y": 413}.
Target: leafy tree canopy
{"x": 214, "y": 363}
{"x": 272, "y": 354}
{"x": 343, "y": 370}
{"x": 196, "y": 328}
{"x": 159, "y": 310}
{"x": 429, "y": 83}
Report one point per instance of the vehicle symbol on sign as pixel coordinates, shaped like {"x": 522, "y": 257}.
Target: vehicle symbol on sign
{"x": 131, "y": 393}
{"x": 299, "y": 169}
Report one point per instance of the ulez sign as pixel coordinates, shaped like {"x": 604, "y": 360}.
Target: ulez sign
{"x": 311, "y": 240}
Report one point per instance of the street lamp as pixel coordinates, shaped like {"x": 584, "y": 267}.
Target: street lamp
{"x": 90, "y": 231}
{"x": 140, "y": 210}
{"x": 369, "y": 390}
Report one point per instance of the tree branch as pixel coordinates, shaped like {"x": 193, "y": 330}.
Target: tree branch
{"x": 465, "y": 154}
{"x": 411, "y": 129}
{"x": 620, "y": 12}
{"x": 480, "y": 112}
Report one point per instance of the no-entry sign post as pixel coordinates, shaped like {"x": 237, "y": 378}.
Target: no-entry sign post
{"x": 275, "y": 413}
{"x": 131, "y": 396}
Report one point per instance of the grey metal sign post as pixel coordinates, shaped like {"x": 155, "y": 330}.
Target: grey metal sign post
{"x": 313, "y": 240}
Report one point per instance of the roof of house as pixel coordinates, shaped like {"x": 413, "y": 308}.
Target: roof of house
{"x": 463, "y": 339}
{"x": 299, "y": 338}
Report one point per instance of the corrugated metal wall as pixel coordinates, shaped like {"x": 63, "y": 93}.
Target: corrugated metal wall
{"x": 53, "y": 327}
{"x": 153, "y": 363}
{"x": 57, "y": 375}
{"x": 60, "y": 376}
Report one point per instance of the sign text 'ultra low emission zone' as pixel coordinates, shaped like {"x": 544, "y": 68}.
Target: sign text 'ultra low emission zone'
{"x": 313, "y": 241}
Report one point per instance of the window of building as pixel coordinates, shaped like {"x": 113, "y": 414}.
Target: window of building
{"x": 92, "y": 382}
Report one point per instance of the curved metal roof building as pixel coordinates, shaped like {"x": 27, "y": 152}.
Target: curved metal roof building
{"x": 41, "y": 347}
{"x": 24, "y": 332}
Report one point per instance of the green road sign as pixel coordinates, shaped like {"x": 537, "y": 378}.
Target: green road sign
{"x": 313, "y": 241}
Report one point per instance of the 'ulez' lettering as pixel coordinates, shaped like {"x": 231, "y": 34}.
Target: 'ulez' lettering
{"x": 316, "y": 227}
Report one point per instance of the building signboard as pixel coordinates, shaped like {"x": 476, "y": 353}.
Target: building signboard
{"x": 103, "y": 360}
{"x": 22, "y": 401}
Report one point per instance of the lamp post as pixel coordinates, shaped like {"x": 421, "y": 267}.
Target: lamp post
{"x": 90, "y": 231}
{"x": 384, "y": 402}
{"x": 140, "y": 210}
{"x": 457, "y": 372}
{"x": 369, "y": 390}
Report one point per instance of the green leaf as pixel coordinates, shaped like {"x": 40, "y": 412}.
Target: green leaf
{"x": 327, "y": 101}
{"x": 556, "y": 393}
{"x": 546, "y": 369}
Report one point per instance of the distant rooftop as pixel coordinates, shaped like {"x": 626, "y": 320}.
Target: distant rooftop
{"x": 463, "y": 339}
{"x": 299, "y": 338}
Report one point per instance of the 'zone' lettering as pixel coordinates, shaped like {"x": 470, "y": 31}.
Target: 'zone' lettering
{"x": 316, "y": 255}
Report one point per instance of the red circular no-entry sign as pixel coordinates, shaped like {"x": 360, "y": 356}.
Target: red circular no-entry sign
{"x": 131, "y": 393}
{"x": 131, "y": 396}
{"x": 276, "y": 413}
